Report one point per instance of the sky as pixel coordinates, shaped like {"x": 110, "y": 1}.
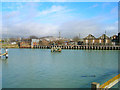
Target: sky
{"x": 22, "y": 19}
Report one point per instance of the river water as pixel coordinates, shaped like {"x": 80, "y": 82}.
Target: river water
{"x": 39, "y": 68}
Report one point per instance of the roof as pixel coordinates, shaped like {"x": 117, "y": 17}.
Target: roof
{"x": 90, "y": 36}
{"x": 113, "y": 36}
{"x": 104, "y": 36}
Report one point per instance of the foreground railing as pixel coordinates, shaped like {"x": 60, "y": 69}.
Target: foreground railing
{"x": 110, "y": 83}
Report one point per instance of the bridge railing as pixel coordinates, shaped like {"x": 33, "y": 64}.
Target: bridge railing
{"x": 110, "y": 83}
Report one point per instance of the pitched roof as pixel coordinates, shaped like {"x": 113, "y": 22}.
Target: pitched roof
{"x": 104, "y": 36}
{"x": 90, "y": 36}
{"x": 113, "y": 36}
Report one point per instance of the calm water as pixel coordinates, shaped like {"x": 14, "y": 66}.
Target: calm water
{"x": 39, "y": 68}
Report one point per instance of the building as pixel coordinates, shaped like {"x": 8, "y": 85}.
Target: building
{"x": 119, "y": 38}
{"x": 89, "y": 40}
{"x": 34, "y": 42}
{"x": 43, "y": 42}
{"x": 25, "y": 42}
{"x": 114, "y": 40}
{"x": 104, "y": 40}
{"x": 72, "y": 43}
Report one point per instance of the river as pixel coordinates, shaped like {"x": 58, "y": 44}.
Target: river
{"x": 39, "y": 68}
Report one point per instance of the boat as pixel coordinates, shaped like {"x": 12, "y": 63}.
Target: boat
{"x": 55, "y": 49}
{"x": 4, "y": 54}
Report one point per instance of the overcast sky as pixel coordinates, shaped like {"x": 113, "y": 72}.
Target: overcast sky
{"x": 22, "y": 19}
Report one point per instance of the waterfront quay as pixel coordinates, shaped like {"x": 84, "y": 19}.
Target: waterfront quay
{"x": 83, "y": 47}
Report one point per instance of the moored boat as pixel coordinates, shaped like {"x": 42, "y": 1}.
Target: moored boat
{"x": 55, "y": 49}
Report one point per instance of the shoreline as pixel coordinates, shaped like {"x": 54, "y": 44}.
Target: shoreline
{"x": 79, "y": 47}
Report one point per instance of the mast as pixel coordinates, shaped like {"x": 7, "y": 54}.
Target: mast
{"x": 59, "y": 35}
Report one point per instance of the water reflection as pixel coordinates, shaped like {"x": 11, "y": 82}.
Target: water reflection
{"x": 5, "y": 61}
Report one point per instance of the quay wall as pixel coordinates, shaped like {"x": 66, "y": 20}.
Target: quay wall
{"x": 81, "y": 47}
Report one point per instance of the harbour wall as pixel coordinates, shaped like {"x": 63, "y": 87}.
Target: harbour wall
{"x": 82, "y": 47}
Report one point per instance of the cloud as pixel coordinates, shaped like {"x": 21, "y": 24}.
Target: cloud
{"x": 53, "y": 9}
{"x": 24, "y": 23}
{"x": 88, "y": 26}
{"x": 30, "y": 28}
{"x": 96, "y": 5}
{"x": 116, "y": 22}
{"x": 20, "y": 15}
{"x": 68, "y": 29}
{"x": 83, "y": 27}
{"x": 114, "y": 10}
{"x": 11, "y": 14}
{"x": 106, "y": 4}
{"x": 112, "y": 28}
{"x": 12, "y": 6}
{"x": 49, "y": 21}
{"x": 31, "y": 12}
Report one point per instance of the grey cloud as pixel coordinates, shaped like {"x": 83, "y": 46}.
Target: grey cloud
{"x": 84, "y": 27}
{"x": 29, "y": 28}
{"x": 68, "y": 29}
{"x": 21, "y": 24}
